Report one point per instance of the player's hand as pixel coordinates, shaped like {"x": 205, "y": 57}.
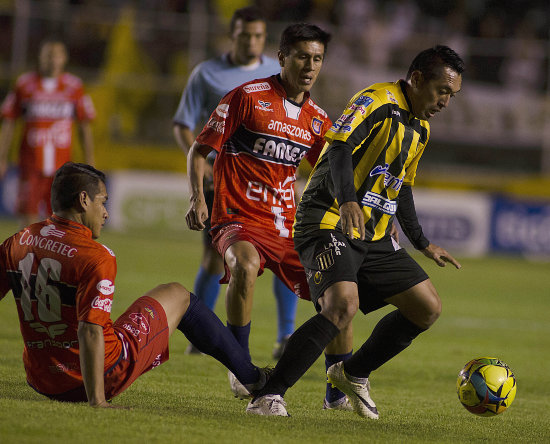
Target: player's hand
{"x": 197, "y": 214}
{"x": 394, "y": 232}
{"x": 352, "y": 217}
{"x": 107, "y": 405}
{"x": 440, "y": 256}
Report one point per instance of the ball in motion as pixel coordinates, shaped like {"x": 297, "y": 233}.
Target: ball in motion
{"x": 486, "y": 386}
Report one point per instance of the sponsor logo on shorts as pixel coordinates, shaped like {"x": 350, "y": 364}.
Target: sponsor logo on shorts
{"x": 50, "y": 230}
{"x": 105, "y": 287}
{"x": 140, "y": 321}
{"x": 325, "y": 260}
{"x": 151, "y": 311}
{"x": 335, "y": 245}
{"x": 318, "y": 277}
{"x": 255, "y": 87}
{"x": 157, "y": 361}
{"x": 102, "y": 304}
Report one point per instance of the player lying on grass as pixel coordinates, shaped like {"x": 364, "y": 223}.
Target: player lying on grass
{"x": 63, "y": 282}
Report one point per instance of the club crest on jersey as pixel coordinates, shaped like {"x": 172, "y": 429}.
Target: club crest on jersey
{"x": 264, "y": 106}
{"x": 317, "y": 125}
{"x": 50, "y": 230}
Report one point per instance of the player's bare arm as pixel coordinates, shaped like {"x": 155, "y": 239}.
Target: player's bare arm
{"x": 196, "y": 165}
{"x": 352, "y": 217}
{"x": 184, "y": 137}
{"x": 92, "y": 361}
{"x": 440, "y": 256}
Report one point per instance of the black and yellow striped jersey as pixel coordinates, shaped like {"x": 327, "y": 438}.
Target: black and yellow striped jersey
{"x": 387, "y": 142}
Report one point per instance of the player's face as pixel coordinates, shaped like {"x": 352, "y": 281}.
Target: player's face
{"x": 300, "y": 68}
{"x": 96, "y": 213}
{"x": 52, "y": 59}
{"x": 430, "y": 97}
{"x": 248, "y": 41}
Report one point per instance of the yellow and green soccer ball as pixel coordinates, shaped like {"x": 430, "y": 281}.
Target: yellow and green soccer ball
{"x": 486, "y": 386}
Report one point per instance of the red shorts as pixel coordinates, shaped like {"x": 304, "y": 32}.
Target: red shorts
{"x": 34, "y": 194}
{"x": 143, "y": 330}
{"x": 276, "y": 253}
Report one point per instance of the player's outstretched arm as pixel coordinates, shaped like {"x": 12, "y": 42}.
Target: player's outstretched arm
{"x": 440, "y": 255}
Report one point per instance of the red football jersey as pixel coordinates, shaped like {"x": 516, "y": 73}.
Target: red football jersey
{"x": 48, "y": 106}
{"x": 261, "y": 137}
{"x": 58, "y": 276}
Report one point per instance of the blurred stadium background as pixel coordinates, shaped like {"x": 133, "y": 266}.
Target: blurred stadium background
{"x": 483, "y": 184}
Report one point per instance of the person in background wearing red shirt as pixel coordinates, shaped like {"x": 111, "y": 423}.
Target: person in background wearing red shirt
{"x": 48, "y": 101}
{"x": 63, "y": 282}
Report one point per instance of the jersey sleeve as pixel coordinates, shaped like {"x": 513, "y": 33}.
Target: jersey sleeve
{"x": 315, "y": 151}
{"x": 225, "y": 119}
{"x": 192, "y": 102}
{"x": 95, "y": 292}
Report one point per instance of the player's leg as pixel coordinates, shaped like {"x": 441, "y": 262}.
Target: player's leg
{"x": 243, "y": 261}
{"x": 405, "y": 285}
{"x": 207, "y": 284}
{"x": 185, "y": 312}
{"x": 340, "y": 349}
{"x": 338, "y": 304}
{"x": 287, "y": 302}
{"x": 418, "y": 308}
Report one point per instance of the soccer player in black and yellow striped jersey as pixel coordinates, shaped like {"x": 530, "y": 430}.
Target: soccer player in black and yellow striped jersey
{"x": 344, "y": 224}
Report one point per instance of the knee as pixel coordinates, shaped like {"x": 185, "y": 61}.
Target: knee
{"x": 178, "y": 291}
{"x": 431, "y": 312}
{"x": 341, "y": 310}
{"x": 244, "y": 268}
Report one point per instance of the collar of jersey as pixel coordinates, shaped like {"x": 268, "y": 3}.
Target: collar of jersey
{"x": 402, "y": 88}
{"x": 71, "y": 224}
{"x": 277, "y": 83}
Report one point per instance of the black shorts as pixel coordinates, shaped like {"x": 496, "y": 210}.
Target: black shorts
{"x": 380, "y": 269}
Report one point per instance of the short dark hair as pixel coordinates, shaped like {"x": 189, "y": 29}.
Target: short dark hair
{"x": 430, "y": 60}
{"x": 248, "y": 14}
{"x": 302, "y": 32}
{"x": 70, "y": 180}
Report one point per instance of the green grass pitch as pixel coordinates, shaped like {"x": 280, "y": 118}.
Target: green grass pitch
{"x": 491, "y": 307}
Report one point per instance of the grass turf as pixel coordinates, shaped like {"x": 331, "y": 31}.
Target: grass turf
{"x": 491, "y": 307}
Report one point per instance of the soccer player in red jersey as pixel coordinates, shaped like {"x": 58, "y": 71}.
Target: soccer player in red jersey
{"x": 48, "y": 101}
{"x": 63, "y": 282}
{"x": 261, "y": 131}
